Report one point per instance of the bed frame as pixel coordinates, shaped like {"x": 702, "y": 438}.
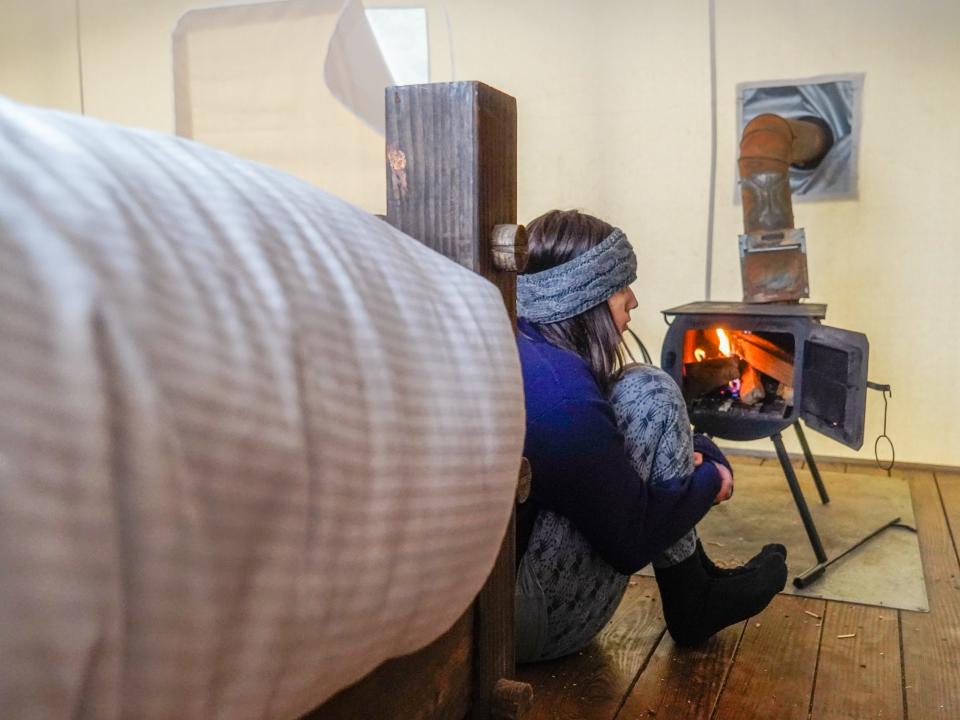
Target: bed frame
{"x": 452, "y": 184}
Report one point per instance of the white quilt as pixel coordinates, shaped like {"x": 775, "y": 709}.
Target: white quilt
{"x": 253, "y": 440}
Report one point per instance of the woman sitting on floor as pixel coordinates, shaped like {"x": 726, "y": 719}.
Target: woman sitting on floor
{"x": 615, "y": 481}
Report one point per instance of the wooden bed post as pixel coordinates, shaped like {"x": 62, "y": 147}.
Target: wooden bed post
{"x": 452, "y": 184}
{"x": 452, "y": 171}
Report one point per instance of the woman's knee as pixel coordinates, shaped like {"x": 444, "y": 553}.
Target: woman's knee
{"x": 646, "y": 386}
{"x": 652, "y": 416}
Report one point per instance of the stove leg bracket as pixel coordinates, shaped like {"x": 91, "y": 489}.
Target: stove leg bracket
{"x": 811, "y": 463}
{"x": 823, "y": 562}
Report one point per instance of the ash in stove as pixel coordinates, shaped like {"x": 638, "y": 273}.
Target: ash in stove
{"x": 727, "y": 404}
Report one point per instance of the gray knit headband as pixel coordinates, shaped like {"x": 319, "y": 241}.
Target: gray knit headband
{"x": 578, "y": 285}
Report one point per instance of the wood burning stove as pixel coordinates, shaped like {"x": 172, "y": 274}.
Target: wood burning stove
{"x": 748, "y": 371}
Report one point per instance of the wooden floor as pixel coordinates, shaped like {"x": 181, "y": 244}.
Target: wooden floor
{"x": 790, "y": 661}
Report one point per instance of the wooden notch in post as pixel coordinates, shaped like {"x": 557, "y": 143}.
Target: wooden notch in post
{"x": 509, "y": 247}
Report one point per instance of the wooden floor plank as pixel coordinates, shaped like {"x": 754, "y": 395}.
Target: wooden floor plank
{"x": 931, "y": 641}
{"x": 430, "y": 684}
{"x": 830, "y": 466}
{"x": 874, "y": 469}
{"x": 859, "y": 677}
{"x": 775, "y": 463}
{"x": 682, "y": 683}
{"x": 773, "y": 671}
{"x": 867, "y": 470}
{"x": 590, "y": 685}
{"x": 948, "y": 484}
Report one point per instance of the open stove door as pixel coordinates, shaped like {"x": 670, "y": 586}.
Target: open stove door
{"x": 834, "y": 393}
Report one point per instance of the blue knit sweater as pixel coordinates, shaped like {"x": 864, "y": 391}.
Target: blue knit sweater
{"x": 581, "y": 469}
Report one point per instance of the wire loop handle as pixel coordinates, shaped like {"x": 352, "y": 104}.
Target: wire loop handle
{"x": 886, "y": 392}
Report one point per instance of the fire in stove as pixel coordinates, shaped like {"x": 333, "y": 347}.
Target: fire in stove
{"x": 738, "y": 371}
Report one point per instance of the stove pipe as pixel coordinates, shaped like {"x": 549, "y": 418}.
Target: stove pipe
{"x": 773, "y": 253}
{"x": 769, "y": 146}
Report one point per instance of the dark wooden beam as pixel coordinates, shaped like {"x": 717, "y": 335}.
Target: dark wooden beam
{"x": 452, "y": 171}
{"x": 451, "y": 179}
{"x": 430, "y": 684}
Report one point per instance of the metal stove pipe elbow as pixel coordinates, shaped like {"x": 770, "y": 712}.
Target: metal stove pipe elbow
{"x": 769, "y": 146}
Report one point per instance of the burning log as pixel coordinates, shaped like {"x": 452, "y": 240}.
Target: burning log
{"x": 751, "y": 386}
{"x": 766, "y": 357}
{"x": 785, "y": 392}
{"x": 702, "y": 377}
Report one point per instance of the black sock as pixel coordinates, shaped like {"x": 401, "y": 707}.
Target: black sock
{"x": 715, "y": 571}
{"x": 696, "y": 605}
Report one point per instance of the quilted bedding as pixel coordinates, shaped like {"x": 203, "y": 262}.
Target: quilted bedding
{"x": 253, "y": 440}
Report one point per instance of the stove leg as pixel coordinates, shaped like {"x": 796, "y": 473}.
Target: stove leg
{"x": 817, "y": 570}
{"x": 811, "y": 574}
{"x": 812, "y": 464}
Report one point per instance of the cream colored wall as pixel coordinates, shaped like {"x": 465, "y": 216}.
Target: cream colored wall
{"x": 886, "y": 264}
{"x": 128, "y": 78}
{"x": 127, "y": 66}
{"x": 125, "y": 47}
{"x": 614, "y": 118}
{"x": 614, "y": 115}
{"x": 39, "y": 63}
{"x": 613, "y": 102}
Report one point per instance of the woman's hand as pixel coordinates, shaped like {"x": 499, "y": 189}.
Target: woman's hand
{"x": 726, "y": 479}
{"x": 726, "y": 483}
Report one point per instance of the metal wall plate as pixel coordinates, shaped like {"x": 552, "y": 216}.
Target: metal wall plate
{"x": 773, "y": 266}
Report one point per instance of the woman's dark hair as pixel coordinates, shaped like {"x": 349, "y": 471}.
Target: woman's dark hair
{"x": 553, "y": 239}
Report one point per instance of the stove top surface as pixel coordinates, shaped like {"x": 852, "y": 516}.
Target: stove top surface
{"x": 816, "y": 311}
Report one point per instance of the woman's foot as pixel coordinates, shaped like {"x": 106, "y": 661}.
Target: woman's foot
{"x": 716, "y": 571}
{"x": 697, "y": 605}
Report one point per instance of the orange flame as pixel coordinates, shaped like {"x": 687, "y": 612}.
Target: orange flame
{"x": 699, "y": 354}
{"x": 724, "y": 342}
